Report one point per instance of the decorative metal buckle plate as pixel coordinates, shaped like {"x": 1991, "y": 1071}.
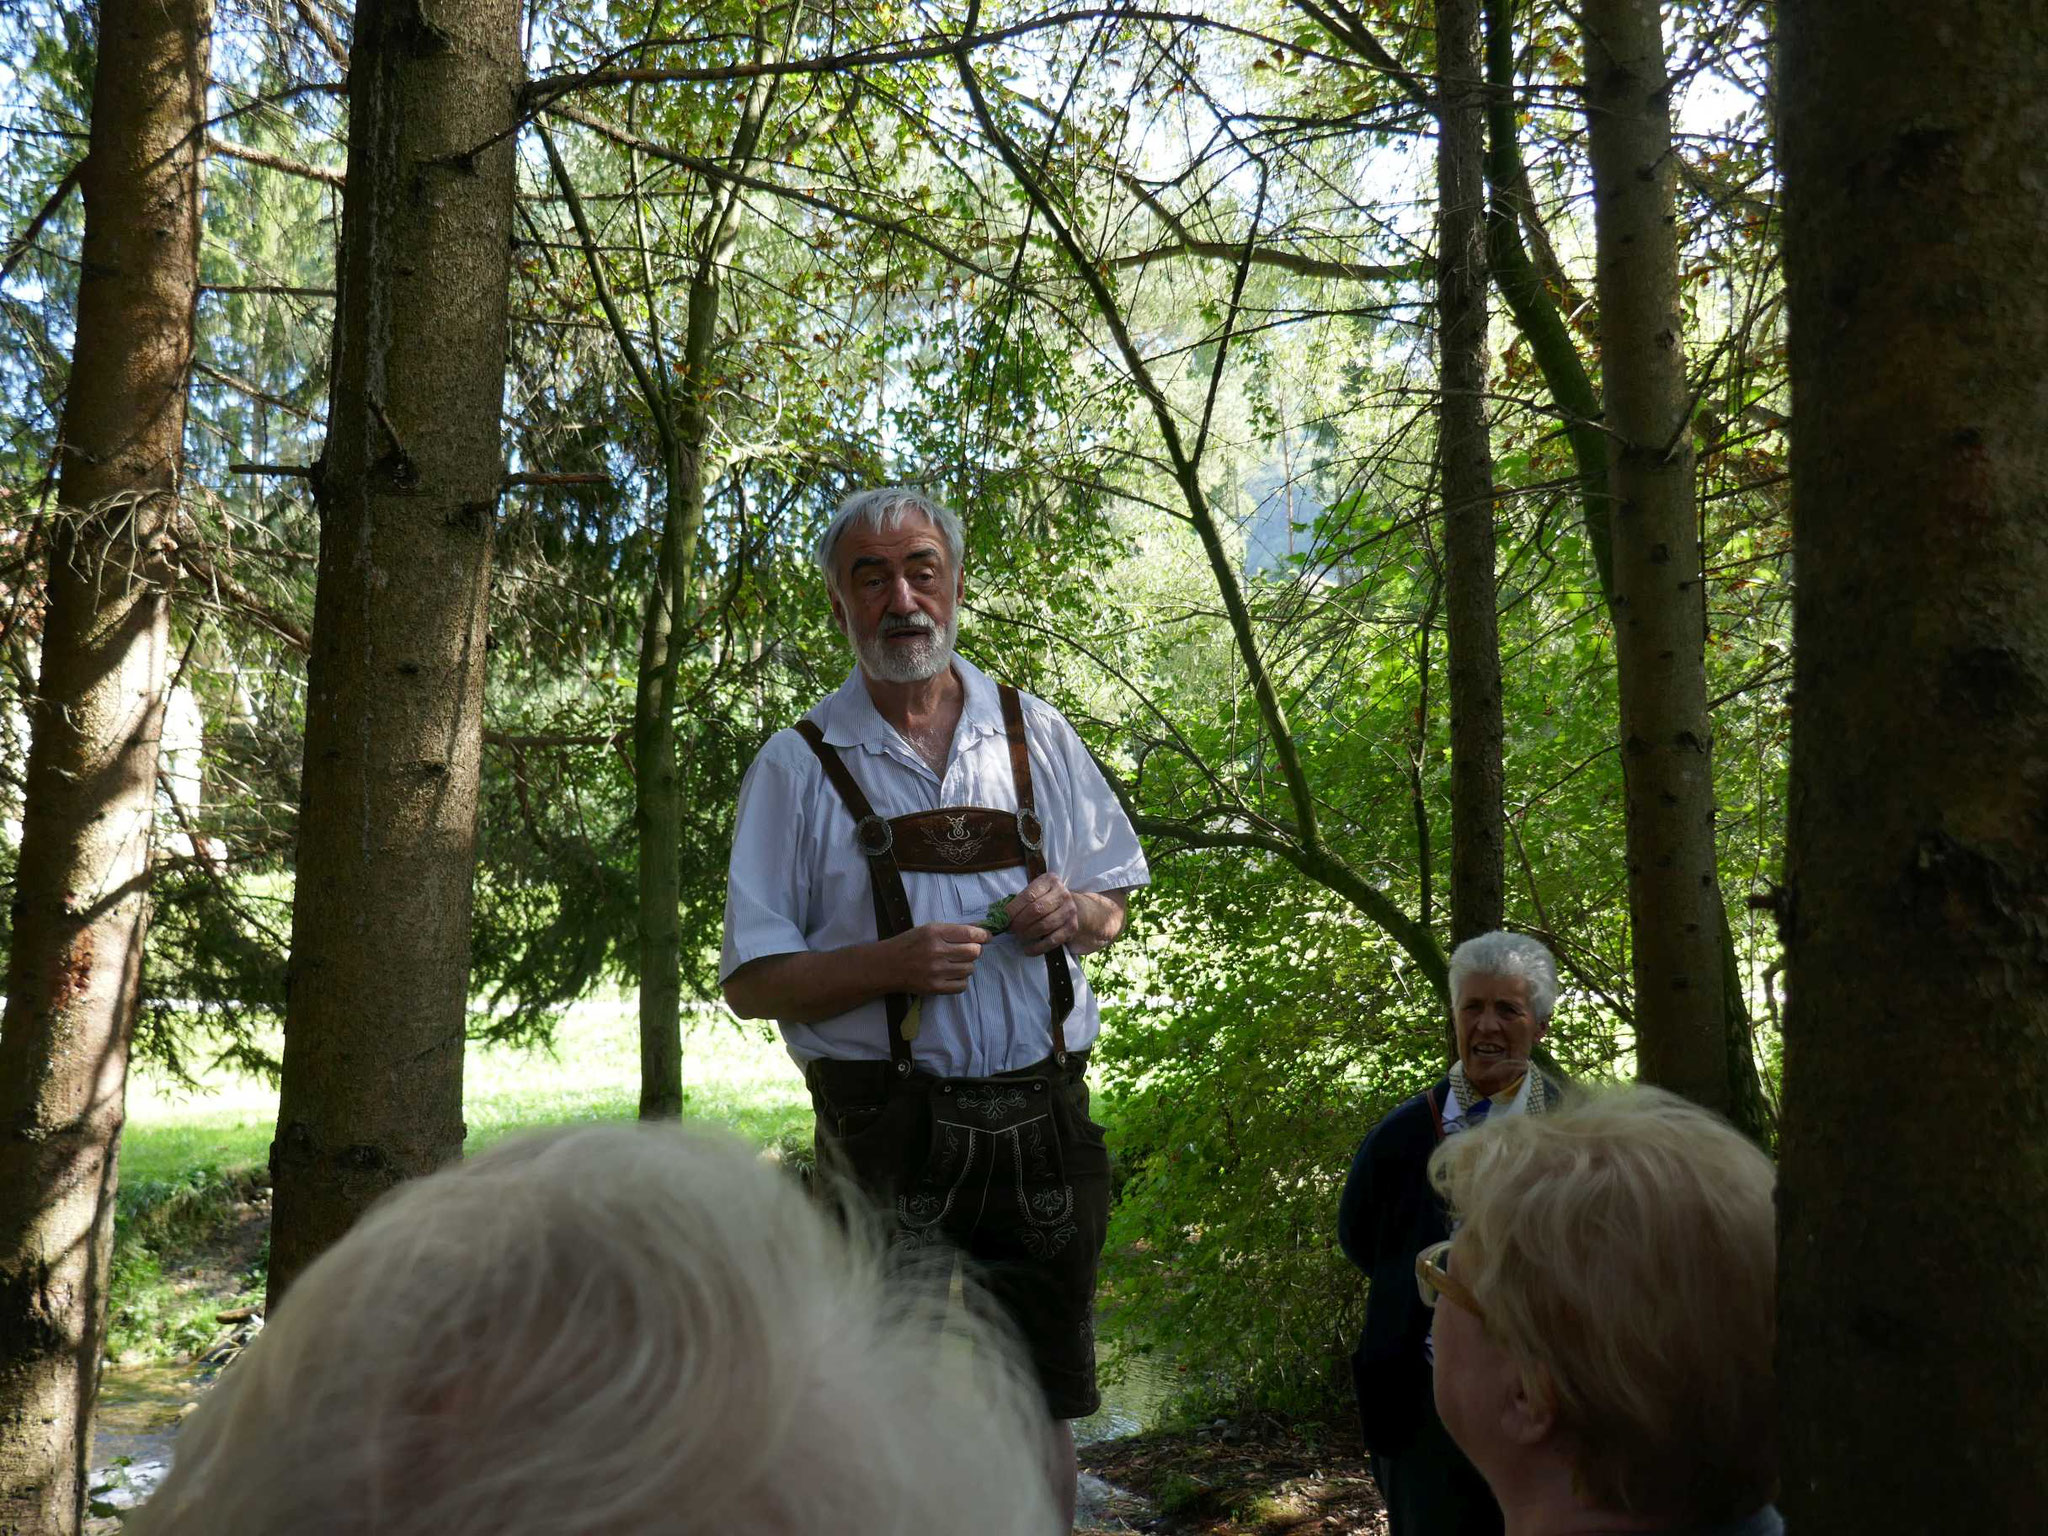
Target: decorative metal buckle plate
{"x": 1029, "y": 831}
{"x": 874, "y": 836}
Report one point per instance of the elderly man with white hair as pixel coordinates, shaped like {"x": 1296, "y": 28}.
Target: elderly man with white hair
{"x": 1503, "y": 988}
{"x": 918, "y": 866}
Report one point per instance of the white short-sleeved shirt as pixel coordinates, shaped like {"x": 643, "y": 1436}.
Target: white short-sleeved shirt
{"x": 798, "y": 881}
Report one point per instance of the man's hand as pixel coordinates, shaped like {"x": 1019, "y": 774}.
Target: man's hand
{"x": 936, "y": 957}
{"x": 1045, "y": 915}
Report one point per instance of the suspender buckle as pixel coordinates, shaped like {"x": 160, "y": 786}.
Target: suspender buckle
{"x": 873, "y": 836}
{"x": 1029, "y": 831}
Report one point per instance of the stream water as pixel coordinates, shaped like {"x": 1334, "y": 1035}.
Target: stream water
{"x": 1133, "y": 1392}
{"x": 136, "y": 1421}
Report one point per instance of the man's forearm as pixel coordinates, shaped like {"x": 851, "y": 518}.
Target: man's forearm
{"x": 809, "y": 986}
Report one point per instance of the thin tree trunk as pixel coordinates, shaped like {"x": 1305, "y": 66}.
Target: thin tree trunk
{"x": 1536, "y": 313}
{"x": 683, "y": 425}
{"x": 1471, "y": 618}
{"x": 1572, "y": 391}
{"x": 1659, "y": 631}
{"x": 1913, "y": 1313}
{"x": 82, "y": 881}
{"x": 408, "y": 487}
{"x": 658, "y": 785}
{"x": 657, "y": 807}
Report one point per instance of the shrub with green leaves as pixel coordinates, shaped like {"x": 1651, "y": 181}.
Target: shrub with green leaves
{"x": 1244, "y": 1085}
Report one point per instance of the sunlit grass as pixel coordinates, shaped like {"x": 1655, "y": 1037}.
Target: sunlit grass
{"x": 733, "y": 1074}
{"x": 192, "y": 1157}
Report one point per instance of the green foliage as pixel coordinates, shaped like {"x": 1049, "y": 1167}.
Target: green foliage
{"x": 164, "y": 1230}
{"x": 1281, "y": 1034}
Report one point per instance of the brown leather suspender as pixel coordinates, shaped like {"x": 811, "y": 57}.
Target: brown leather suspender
{"x": 892, "y": 903}
{"x": 1032, "y": 834}
{"x": 933, "y": 840}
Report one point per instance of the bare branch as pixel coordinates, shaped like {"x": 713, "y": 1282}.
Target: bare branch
{"x": 263, "y": 157}
{"x": 289, "y": 471}
{"x": 550, "y": 88}
{"x": 318, "y": 26}
{"x": 1186, "y": 471}
{"x": 512, "y": 482}
{"x": 1286, "y": 261}
{"x": 196, "y": 565}
{"x": 280, "y": 290}
{"x": 1350, "y": 30}
{"x": 244, "y": 387}
{"x": 712, "y": 170}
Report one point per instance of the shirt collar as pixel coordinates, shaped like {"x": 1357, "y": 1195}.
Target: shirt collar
{"x": 848, "y": 716}
{"x": 1455, "y": 1115}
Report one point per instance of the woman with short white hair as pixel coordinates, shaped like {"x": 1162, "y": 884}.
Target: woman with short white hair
{"x": 1605, "y": 1318}
{"x": 608, "y": 1330}
{"x": 1503, "y": 990}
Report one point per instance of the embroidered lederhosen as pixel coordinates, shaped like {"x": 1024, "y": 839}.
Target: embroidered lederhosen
{"x": 995, "y": 1143}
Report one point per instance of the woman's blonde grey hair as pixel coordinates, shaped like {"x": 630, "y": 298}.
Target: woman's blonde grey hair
{"x": 885, "y": 508}
{"x": 1624, "y": 1253}
{"x": 1501, "y": 953}
{"x": 607, "y": 1330}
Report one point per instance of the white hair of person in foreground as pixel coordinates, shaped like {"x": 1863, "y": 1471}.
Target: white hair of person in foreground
{"x": 613, "y": 1329}
{"x": 1604, "y": 1338}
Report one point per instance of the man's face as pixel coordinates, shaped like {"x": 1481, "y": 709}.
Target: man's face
{"x": 897, "y": 600}
{"x": 1496, "y": 1031}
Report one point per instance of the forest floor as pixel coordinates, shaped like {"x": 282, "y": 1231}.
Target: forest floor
{"x": 1259, "y": 1477}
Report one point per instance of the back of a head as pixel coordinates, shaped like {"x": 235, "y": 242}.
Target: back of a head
{"x": 616, "y": 1329}
{"x": 1624, "y": 1252}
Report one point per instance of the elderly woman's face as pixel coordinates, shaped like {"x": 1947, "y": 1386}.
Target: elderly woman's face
{"x": 1496, "y": 1030}
{"x": 1479, "y": 1388}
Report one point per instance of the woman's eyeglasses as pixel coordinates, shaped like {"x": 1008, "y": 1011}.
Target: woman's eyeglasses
{"x": 1433, "y": 1278}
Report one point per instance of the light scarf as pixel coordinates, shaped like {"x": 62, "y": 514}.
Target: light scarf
{"x": 1531, "y": 1097}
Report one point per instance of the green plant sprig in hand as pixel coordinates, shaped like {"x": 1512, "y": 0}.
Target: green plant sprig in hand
{"x": 997, "y": 918}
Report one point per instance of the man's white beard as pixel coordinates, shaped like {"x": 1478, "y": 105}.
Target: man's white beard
{"x": 890, "y": 661}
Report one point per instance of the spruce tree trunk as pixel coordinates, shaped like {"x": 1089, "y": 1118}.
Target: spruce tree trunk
{"x": 1913, "y": 1272}
{"x": 1471, "y": 618}
{"x": 82, "y": 881}
{"x": 408, "y": 486}
{"x": 1659, "y": 615}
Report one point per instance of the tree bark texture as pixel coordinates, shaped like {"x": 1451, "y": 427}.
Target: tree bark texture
{"x": 81, "y": 897}
{"x": 407, "y": 485}
{"x": 1659, "y": 613}
{"x": 1913, "y": 1271}
{"x": 1471, "y": 618}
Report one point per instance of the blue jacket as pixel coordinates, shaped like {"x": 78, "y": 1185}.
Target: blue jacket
{"x": 1389, "y": 1214}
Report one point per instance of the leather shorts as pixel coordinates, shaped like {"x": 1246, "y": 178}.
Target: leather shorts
{"x": 1009, "y": 1170}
